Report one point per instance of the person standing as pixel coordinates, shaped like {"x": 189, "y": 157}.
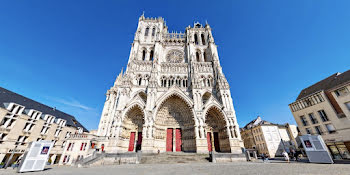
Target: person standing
{"x": 293, "y": 154}
{"x": 286, "y": 156}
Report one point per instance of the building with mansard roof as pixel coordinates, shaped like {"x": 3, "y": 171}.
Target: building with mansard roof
{"x": 23, "y": 120}
{"x": 269, "y": 138}
{"x": 324, "y": 109}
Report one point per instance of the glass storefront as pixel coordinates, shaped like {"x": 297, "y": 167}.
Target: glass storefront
{"x": 339, "y": 150}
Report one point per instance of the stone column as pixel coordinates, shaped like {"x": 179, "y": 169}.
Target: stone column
{"x": 228, "y": 132}
{"x": 174, "y": 139}
{"x": 199, "y": 39}
{"x": 255, "y": 155}
{"x": 148, "y": 54}
{"x": 201, "y": 141}
{"x": 202, "y": 57}
{"x": 147, "y": 145}
{"x": 53, "y": 158}
{"x": 2, "y": 157}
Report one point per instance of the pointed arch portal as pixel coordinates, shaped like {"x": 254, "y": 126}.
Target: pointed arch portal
{"x": 216, "y": 131}
{"x": 132, "y": 128}
{"x": 174, "y": 126}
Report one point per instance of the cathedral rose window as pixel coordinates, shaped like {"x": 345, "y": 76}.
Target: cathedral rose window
{"x": 175, "y": 56}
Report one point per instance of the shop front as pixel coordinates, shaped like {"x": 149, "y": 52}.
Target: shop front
{"x": 339, "y": 150}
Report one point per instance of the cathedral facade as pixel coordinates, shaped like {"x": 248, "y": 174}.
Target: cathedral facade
{"x": 173, "y": 95}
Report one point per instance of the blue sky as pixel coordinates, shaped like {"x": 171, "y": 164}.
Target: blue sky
{"x": 68, "y": 53}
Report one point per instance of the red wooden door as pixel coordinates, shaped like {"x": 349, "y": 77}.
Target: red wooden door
{"x": 169, "y": 140}
{"x": 178, "y": 139}
{"x": 131, "y": 142}
{"x": 210, "y": 147}
{"x": 139, "y": 141}
{"x": 216, "y": 142}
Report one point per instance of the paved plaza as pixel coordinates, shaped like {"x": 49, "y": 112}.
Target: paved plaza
{"x": 274, "y": 167}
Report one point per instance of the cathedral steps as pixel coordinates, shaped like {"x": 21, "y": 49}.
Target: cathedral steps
{"x": 174, "y": 157}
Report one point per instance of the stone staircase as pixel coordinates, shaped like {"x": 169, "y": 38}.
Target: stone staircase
{"x": 109, "y": 159}
{"x": 174, "y": 157}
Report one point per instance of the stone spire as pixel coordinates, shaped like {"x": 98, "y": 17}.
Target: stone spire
{"x": 142, "y": 17}
{"x": 118, "y": 80}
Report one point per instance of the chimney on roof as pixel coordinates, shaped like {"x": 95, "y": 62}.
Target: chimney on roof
{"x": 54, "y": 108}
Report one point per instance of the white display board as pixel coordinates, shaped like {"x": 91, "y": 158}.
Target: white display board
{"x": 315, "y": 148}
{"x": 35, "y": 158}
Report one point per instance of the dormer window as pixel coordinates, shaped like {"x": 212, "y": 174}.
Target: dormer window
{"x": 61, "y": 122}
{"x": 50, "y": 119}
{"x": 35, "y": 115}
{"x": 15, "y": 108}
{"x": 80, "y": 130}
{"x": 341, "y": 92}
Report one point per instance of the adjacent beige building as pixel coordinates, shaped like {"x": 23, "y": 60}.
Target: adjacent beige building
{"x": 23, "y": 120}
{"x": 268, "y": 138}
{"x": 324, "y": 109}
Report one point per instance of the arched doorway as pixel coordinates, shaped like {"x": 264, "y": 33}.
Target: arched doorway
{"x": 132, "y": 128}
{"x": 174, "y": 126}
{"x": 216, "y": 131}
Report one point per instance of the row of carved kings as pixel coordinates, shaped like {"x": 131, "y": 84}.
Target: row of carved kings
{"x": 202, "y": 67}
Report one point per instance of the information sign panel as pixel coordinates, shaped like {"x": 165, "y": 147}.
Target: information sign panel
{"x": 315, "y": 148}
{"x": 36, "y": 156}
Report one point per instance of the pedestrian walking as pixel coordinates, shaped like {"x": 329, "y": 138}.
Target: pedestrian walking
{"x": 286, "y": 156}
{"x": 263, "y": 157}
{"x": 294, "y": 154}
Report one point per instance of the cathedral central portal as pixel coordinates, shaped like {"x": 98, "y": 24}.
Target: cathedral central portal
{"x": 174, "y": 126}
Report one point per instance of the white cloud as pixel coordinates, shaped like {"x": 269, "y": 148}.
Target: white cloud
{"x": 71, "y": 102}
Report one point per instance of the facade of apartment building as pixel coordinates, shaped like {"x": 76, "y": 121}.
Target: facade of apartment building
{"x": 268, "y": 138}
{"x": 23, "y": 120}
{"x": 324, "y": 109}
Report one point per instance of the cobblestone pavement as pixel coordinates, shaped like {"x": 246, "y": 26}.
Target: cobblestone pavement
{"x": 275, "y": 167}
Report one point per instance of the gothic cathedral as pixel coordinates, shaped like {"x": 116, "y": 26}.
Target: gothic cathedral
{"x": 173, "y": 95}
